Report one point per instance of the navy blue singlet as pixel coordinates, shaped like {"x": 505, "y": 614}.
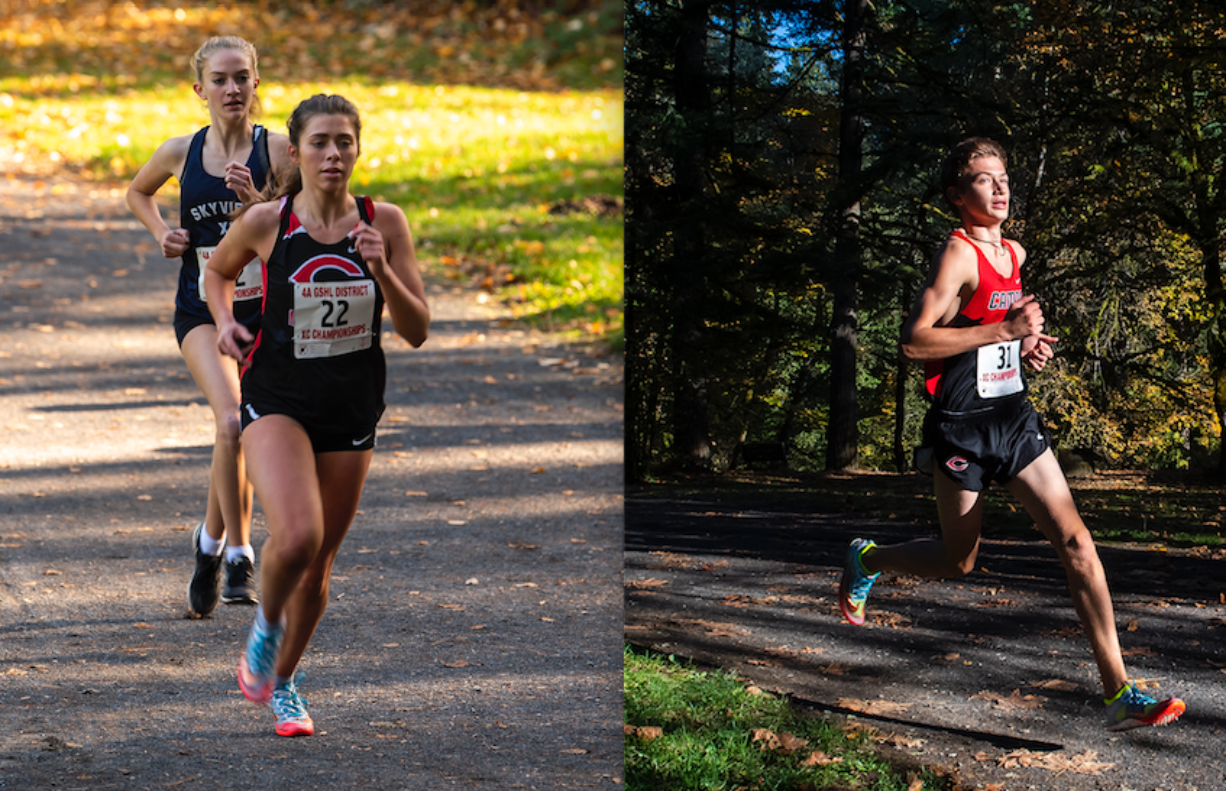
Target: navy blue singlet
{"x": 204, "y": 207}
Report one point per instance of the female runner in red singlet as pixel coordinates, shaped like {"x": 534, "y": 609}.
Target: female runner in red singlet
{"x": 312, "y": 387}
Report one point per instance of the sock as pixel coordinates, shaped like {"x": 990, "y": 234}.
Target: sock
{"x": 282, "y": 682}
{"x": 261, "y": 621}
{"x": 211, "y": 546}
{"x": 245, "y": 551}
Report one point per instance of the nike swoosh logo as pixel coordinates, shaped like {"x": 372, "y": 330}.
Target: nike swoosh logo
{"x": 352, "y": 249}
{"x": 362, "y": 441}
{"x": 252, "y": 412}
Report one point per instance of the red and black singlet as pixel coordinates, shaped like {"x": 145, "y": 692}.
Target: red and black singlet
{"x": 992, "y": 375}
{"x": 317, "y": 356}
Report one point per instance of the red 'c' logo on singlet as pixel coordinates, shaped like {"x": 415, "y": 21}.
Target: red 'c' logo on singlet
{"x": 306, "y": 273}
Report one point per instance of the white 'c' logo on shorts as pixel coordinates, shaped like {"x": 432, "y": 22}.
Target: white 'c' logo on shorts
{"x": 957, "y": 463}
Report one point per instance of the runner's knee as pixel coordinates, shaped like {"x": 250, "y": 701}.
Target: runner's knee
{"x": 1079, "y": 554}
{"x": 229, "y": 432}
{"x": 298, "y": 547}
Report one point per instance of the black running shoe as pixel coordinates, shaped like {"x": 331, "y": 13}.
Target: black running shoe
{"x": 205, "y": 588}
{"x": 240, "y": 582}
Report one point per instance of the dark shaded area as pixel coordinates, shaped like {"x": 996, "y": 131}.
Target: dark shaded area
{"x": 745, "y": 577}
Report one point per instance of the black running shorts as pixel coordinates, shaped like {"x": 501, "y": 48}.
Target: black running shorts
{"x": 186, "y": 322}
{"x": 321, "y": 441}
{"x": 975, "y": 450}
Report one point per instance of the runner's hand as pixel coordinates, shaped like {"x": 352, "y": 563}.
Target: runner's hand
{"x": 1024, "y": 317}
{"x": 175, "y": 243}
{"x": 238, "y": 179}
{"x": 235, "y": 340}
{"x": 369, "y": 244}
{"x": 1036, "y": 350}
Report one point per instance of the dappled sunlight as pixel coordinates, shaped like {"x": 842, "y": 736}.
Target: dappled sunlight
{"x": 526, "y": 457}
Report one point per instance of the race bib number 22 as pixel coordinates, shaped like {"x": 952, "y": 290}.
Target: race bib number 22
{"x": 331, "y": 319}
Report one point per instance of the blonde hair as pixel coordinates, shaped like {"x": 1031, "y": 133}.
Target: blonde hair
{"x": 218, "y": 43}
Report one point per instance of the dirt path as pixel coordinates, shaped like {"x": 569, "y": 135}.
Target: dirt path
{"x": 989, "y": 676}
{"x": 473, "y": 634}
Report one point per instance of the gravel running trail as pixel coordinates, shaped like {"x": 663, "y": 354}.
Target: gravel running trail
{"x": 473, "y": 636}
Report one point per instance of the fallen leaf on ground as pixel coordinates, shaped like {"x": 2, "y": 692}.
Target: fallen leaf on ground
{"x": 1057, "y": 684}
{"x": 742, "y": 600}
{"x": 819, "y": 758}
{"x": 1086, "y": 763}
{"x": 892, "y": 620}
{"x": 884, "y": 708}
{"x": 1014, "y": 701}
{"x": 785, "y": 743}
{"x": 647, "y": 583}
{"x": 644, "y": 732}
{"x": 766, "y": 736}
{"x": 899, "y": 740}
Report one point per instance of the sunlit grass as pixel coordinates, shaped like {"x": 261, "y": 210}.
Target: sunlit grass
{"x": 477, "y": 171}
{"x": 690, "y": 729}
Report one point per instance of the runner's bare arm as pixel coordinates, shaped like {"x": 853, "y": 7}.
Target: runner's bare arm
{"x": 387, "y": 248}
{"x": 926, "y": 334}
{"x": 166, "y": 162}
{"x": 251, "y": 235}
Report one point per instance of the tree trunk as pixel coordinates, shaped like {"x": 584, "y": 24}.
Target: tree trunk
{"x": 901, "y": 462}
{"x": 690, "y": 414}
{"x": 842, "y": 439}
{"x": 1215, "y": 294}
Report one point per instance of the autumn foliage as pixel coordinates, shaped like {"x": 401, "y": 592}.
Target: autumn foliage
{"x": 496, "y": 44}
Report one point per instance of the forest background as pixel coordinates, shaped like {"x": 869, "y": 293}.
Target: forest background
{"x": 783, "y": 208}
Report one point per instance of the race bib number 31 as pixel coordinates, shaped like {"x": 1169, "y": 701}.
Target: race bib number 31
{"x": 999, "y": 369}
{"x": 331, "y": 319}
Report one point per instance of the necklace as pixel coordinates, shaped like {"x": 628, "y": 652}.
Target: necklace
{"x": 998, "y": 244}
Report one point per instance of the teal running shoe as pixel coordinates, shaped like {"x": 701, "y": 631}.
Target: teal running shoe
{"x": 856, "y": 582}
{"x": 255, "y": 666}
{"x": 290, "y": 708}
{"x": 1131, "y": 708}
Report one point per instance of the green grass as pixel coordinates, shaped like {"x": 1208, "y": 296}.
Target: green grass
{"x": 708, "y": 719}
{"x": 477, "y": 171}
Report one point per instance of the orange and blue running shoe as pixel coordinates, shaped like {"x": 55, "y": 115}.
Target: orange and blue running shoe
{"x": 290, "y": 708}
{"x": 856, "y": 582}
{"x": 1131, "y": 708}
{"x": 255, "y": 666}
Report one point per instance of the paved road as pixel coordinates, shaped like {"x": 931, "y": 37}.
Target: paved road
{"x": 988, "y": 676}
{"x": 473, "y": 638}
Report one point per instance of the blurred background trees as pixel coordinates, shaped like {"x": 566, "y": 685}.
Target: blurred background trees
{"x": 782, "y": 210}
